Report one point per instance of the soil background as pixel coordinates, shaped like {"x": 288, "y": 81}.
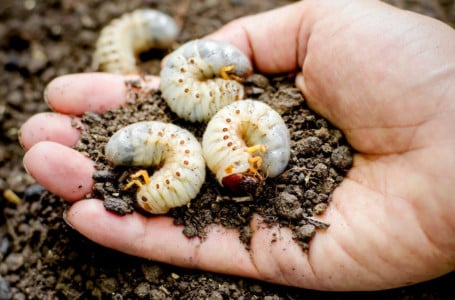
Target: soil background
{"x": 40, "y": 256}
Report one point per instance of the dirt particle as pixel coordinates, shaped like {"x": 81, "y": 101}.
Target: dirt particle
{"x": 152, "y": 273}
{"x": 142, "y": 290}
{"x": 341, "y": 158}
{"x": 305, "y": 232}
{"x": 103, "y": 175}
{"x": 215, "y": 295}
{"x": 190, "y": 231}
{"x": 14, "y": 261}
{"x": 319, "y": 208}
{"x": 245, "y": 234}
{"x": 33, "y": 192}
{"x": 288, "y": 206}
{"x": 256, "y": 289}
{"x": 107, "y": 285}
{"x": 5, "y": 292}
{"x": 158, "y": 294}
{"x": 310, "y": 145}
{"x": 118, "y": 205}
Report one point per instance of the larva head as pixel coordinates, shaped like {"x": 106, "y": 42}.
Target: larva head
{"x": 219, "y": 54}
{"x": 241, "y": 184}
{"x": 161, "y": 28}
{"x": 119, "y": 150}
{"x": 133, "y": 145}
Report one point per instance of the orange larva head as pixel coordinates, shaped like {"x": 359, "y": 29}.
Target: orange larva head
{"x": 241, "y": 184}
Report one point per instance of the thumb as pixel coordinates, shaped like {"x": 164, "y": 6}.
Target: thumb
{"x": 271, "y": 39}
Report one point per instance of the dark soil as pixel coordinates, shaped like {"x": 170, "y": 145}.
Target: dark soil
{"x": 290, "y": 199}
{"x": 42, "y": 258}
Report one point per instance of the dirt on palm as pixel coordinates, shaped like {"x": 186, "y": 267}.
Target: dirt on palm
{"x": 42, "y": 258}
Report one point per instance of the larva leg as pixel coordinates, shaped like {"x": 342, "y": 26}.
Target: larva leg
{"x": 255, "y": 164}
{"x": 256, "y": 148}
{"x": 225, "y": 70}
{"x": 141, "y": 173}
{"x": 224, "y": 73}
{"x": 255, "y": 161}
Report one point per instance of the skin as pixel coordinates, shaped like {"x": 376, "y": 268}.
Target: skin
{"x": 382, "y": 75}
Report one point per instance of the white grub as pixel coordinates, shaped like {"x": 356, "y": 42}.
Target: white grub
{"x": 124, "y": 38}
{"x": 175, "y": 153}
{"x": 245, "y": 142}
{"x": 192, "y": 80}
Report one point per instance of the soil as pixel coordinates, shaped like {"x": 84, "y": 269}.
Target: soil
{"x": 290, "y": 199}
{"x": 42, "y": 258}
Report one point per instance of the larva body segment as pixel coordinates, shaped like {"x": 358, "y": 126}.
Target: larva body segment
{"x": 173, "y": 150}
{"x": 124, "y": 38}
{"x": 191, "y": 81}
{"x": 244, "y": 142}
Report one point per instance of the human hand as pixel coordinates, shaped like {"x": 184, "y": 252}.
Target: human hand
{"x": 382, "y": 75}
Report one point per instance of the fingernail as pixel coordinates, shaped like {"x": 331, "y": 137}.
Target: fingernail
{"x": 65, "y": 218}
{"x": 25, "y": 167}
{"x": 300, "y": 82}
{"x": 19, "y": 138}
{"x": 46, "y": 97}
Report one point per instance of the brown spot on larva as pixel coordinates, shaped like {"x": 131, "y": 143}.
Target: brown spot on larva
{"x": 186, "y": 90}
{"x": 185, "y": 162}
{"x": 228, "y": 120}
{"x": 197, "y": 95}
{"x": 172, "y": 135}
{"x": 191, "y": 61}
{"x": 177, "y": 174}
{"x": 144, "y": 199}
{"x": 210, "y": 93}
{"x": 236, "y": 98}
{"x": 157, "y": 186}
{"x": 225, "y": 137}
{"x": 160, "y": 134}
{"x": 182, "y": 70}
{"x": 187, "y": 151}
{"x": 182, "y": 142}
{"x": 234, "y": 148}
{"x": 237, "y": 111}
{"x": 229, "y": 144}
{"x": 146, "y": 206}
{"x": 225, "y": 129}
{"x": 180, "y": 80}
{"x": 167, "y": 181}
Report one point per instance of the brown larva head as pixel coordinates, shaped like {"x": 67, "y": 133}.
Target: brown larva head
{"x": 241, "y": 184}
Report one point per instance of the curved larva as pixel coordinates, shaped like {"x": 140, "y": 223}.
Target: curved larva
{"x": 176, "y": 153}
{"x": 191, "y": 80}
{"x": 124, "y": 38}
{"x": 244, "y": 142}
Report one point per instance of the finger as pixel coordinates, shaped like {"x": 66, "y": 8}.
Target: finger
{"x": 158, "y": 239}
{"x": 273, "y": 255}
{"x": 67, "y": 172}
{"x": 49, "y": 127}
{"x": 276, "y": 46}
{"x": 95, "y": 92}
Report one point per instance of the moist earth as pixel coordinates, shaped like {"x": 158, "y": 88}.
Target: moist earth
{"x": 320, "y": 157}
{"x": 43, "y": 258}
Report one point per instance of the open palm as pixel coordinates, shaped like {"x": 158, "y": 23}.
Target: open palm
{"x": 383, "y": 76}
